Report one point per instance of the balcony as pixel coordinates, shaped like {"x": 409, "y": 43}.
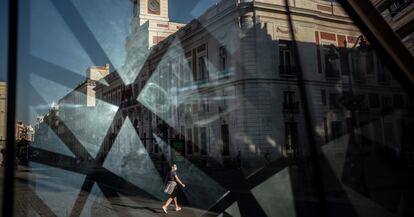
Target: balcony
{"x": 287, "y": 70}
{"x": 291, "y": 108}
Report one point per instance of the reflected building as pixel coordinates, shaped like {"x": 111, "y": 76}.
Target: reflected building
{"x": 24, "y": 131}
{"x": 84, "y": 94}
{"x": 150, "y": 21}
{"x": 68, "y": 116}
{"x": 400, "y": 15}
{"x": 3, "y": 114}
{"x": 227, "y": 85}
{"x": 224, "y": 97}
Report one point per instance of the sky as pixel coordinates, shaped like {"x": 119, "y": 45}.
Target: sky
{"x": 63, "y": 38}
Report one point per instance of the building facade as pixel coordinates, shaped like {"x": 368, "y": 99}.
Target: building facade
{"x": 400, "y": 15}
{"x": 226, "y": 85}
{"x": 229, "y": 87}
{"x": 24, "y": 131}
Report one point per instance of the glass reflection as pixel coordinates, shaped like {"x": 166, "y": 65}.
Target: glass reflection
{"x": 223, "y": 97}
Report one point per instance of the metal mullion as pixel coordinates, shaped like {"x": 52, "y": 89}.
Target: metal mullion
{"x": 12, "y": 55}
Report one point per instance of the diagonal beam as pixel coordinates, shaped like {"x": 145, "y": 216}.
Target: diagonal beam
{"x": 82, "y": 32}
{"x": 102, "y": 154}
{"x": 384, "y": 40}
{"x": 82, "y": 198}
{"x": 49, "y": 70}
{"x": 68, "y": 138}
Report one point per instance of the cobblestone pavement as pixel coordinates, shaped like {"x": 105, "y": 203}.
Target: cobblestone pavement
{"x": 55, "y": 202}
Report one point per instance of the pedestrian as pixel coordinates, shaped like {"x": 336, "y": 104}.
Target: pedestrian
{"x": 171, "y": 188}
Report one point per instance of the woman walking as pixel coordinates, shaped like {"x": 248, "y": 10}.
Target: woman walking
{"x": 171, "y": 188}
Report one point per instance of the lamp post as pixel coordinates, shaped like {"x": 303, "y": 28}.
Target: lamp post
{"x": 352, "y": 103}
{"x": 349, "y": 101}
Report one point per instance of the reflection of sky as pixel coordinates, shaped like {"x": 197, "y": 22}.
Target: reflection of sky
{"x": 3, "y": 35}
{"x": 52, "y": 41}
{"x": 56, "y": 44}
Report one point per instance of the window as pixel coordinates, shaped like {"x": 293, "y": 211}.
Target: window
{"x": 223, "y": 61}
{"x": 344, "y": 60}
{"x": 189, "y": 74}
{"x": 145, "y": 142}
{"x": 323, "y": 97}
{"x": 336, "y": 130}
{"x": 358, "y": 71}
{"x": 291, "y": 137}
{"x": 203, "y": 138}
{"x": 225, "y": 139}
{"x": 202, "y": 69}
{"x": 285, "y": 58}
{"x": 331, "y": 60}
{"x": 135, "y": 10}
{"x": 325, "y": 129}
{"x": 289, "y": 102}
{"x": 204, "y": 105}
{"x": 333, "y": 101}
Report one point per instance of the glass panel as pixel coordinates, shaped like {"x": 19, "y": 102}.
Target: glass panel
{"x": 3, "y": 91}
{"x": 235, "y": 107}
{"x": 400, "y": 16}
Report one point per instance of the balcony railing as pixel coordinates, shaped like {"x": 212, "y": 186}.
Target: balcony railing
{"x": 287, "y": 70}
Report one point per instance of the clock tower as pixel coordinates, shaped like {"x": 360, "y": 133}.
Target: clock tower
{"x": 149, "y": 26}
{"x": 145, "y": 10}
{"x": 150, "y": 22}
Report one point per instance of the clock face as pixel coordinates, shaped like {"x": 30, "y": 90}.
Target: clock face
{"x": 154, "y": 6}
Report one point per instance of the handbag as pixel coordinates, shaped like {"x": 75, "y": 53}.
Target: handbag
{"x": 170, "y": 187}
